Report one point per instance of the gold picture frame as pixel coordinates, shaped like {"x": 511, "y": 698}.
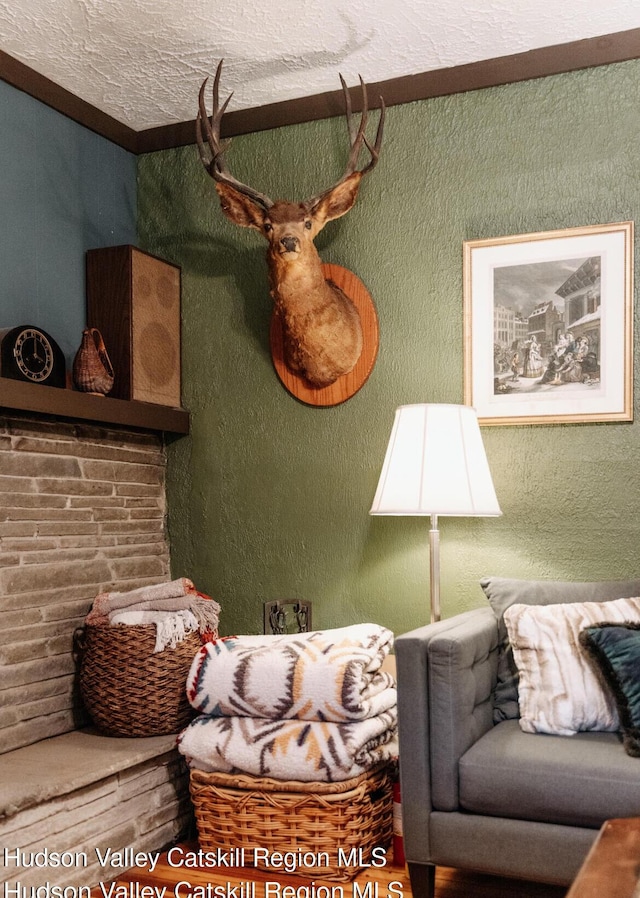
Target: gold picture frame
{"x": 548, "y": 326}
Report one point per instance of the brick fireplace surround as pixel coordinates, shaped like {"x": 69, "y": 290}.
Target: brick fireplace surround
{"x": 82, "y": 509}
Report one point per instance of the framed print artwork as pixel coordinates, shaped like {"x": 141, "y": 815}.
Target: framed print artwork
{"x": 548, "y": 326}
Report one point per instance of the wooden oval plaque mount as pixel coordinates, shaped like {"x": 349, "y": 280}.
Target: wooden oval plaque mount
{"x": 349, "y": 384}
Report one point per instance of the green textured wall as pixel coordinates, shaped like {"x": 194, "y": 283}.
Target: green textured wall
{"x": 269, "y": 498}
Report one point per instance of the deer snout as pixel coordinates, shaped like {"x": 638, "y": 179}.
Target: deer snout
{"x": 289, "y": 245}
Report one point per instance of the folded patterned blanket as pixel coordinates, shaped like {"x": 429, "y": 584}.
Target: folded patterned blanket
{"x": 327, "y": 675}
{"x": 171, "y": 626}
{"x": 309, "y": 751}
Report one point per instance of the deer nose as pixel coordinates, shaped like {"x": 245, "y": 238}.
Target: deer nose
{"x": 290, "y": 244}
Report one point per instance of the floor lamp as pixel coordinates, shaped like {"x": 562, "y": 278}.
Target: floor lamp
{"x": 435, "y": 465}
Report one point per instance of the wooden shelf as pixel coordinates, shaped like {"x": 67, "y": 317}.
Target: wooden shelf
{"x": 15, "y": 394}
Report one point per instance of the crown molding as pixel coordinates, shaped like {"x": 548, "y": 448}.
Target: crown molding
{"x": 31, "y": 82}
{"x": 540, "y": 63}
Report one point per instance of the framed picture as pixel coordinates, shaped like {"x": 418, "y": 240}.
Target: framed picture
{"x": 548, "y": 326}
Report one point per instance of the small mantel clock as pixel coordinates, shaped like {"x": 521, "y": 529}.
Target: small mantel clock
{"x": 30, "y": 354}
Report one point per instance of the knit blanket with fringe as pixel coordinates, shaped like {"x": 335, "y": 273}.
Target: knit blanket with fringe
{"x": 170, "y": 606}
{"x": 107, "y": 602}
{"x": 171, "y": 626}
{"x": 326, "y": 675}
{"x": 309, "y": 751}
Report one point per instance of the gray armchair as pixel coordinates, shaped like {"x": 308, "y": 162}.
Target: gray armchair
{"x": 486, "y": 796}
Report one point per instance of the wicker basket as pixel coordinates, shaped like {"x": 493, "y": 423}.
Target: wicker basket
{"x": 331, "y": 828}
{"x": 127, "y": 689}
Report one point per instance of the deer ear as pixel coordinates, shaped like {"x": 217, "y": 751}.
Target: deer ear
{"x": 238, "y": 208}
{"x": 337, "y": 201}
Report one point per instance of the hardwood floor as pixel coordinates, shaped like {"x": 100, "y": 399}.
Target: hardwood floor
{"x": 460, "y": 884}
{"x": 173, "y": 881}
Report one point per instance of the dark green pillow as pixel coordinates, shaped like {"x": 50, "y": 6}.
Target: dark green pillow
{"x": 615, "y": 651}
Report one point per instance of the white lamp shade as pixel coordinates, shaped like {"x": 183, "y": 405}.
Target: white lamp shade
{"x": 435, "y": 465}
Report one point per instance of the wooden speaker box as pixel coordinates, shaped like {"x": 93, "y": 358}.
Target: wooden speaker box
{"x": 133, "y": 298}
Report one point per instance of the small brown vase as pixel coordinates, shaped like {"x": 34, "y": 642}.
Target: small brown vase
{"x": 92, "y": 368}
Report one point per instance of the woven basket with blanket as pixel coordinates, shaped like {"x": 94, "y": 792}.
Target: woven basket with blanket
{"x": 289, "y": 726}
{"x": 136, "y": 649}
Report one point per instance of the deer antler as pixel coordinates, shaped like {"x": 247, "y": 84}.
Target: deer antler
{"x": 358, "y": 137}
{"x": 213, "y": 155}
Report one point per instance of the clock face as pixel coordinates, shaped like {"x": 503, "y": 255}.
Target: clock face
{"x": 33, "y": 354}
{"x": 29, "y": 354}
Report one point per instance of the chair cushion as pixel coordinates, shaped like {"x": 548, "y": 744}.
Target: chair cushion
{"x": 502, "y": 592}
{"x": 579, "y": 780}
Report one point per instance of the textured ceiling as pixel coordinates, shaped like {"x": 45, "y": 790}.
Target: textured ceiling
{"x": 142, "y": 61}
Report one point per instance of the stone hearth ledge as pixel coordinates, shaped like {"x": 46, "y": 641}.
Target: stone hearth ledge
{"x": 38, "y": 773}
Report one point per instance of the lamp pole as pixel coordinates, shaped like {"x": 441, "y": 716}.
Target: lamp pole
{"x": 434, "y": 568}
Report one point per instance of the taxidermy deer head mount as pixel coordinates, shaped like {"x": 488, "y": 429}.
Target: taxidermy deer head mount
{"x": 322, "y": 327}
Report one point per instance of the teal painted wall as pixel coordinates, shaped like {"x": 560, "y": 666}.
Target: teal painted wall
{"x": 63, "y": 190}
{"x": 269, "y": 498}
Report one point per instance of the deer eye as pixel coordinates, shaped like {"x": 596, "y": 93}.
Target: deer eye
{"x": 307, "y": 224}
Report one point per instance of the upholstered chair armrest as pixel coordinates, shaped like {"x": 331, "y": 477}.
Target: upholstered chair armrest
{"x": 446, "y": 674}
